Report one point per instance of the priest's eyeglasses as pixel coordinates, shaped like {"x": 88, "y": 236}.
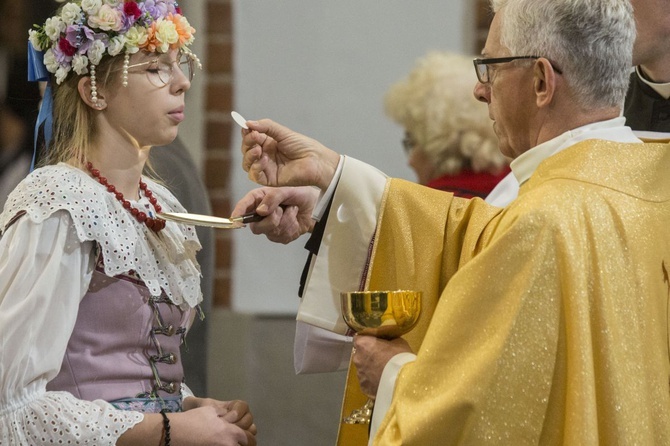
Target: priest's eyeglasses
{"x": 482, "y": 66}
{"x": 160, "y": 72}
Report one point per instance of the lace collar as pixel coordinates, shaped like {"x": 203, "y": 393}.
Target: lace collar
{"x": 165, "y": 261}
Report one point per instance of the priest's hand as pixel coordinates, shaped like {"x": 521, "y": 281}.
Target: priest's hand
{"x": 370, "y": 356}
{"x": 287, "y": 211}
{"x": 274, "y": 155}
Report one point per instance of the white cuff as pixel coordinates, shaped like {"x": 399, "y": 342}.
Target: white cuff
{"x": 324, "y": 197}
{"x": 317, "y": 350}
{"x": 185, "y": 391}
{"x": 385, "y": 390}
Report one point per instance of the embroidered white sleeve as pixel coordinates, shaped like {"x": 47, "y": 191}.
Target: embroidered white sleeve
{"x": 44, "y": 273}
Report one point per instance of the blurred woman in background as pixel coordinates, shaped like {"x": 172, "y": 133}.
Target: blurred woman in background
{"x": 449, "y": 139}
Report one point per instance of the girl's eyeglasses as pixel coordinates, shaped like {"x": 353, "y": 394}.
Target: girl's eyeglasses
{"x": 160, "y": 72}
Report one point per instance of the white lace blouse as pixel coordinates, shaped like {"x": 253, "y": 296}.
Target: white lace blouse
{"x": 46, "y": 263}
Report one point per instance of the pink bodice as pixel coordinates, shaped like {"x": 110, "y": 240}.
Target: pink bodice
{"x": 125, "y": 343}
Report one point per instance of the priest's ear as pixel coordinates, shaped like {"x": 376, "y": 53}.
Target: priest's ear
{"x": 91, "y": 94}
{"x": 545, "y": 81}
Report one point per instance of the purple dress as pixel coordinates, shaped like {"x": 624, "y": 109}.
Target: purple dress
{"x": 125, "y": 347}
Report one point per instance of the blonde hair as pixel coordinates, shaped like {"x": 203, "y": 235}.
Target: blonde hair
{"x": 436, "y": 106}
{"x": 73, "y": 120}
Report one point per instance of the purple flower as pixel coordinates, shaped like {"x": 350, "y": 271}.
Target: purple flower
{"x": 73, "y": 35}
{"x": 62, "y": 58}
{"x": 128, "y": 21}
{"x": 156, "y": 8}
{"x": 145, "y": 18}
{"x": 172, "y": 7}
{"x": 88, "y": 38}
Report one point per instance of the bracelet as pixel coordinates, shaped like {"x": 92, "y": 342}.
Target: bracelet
{"x": 166, "y": 427}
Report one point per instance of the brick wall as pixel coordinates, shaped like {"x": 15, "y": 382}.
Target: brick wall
{"x": 218, "y": 133}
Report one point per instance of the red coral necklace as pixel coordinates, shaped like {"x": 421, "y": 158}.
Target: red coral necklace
{"x": 155, "y": 224}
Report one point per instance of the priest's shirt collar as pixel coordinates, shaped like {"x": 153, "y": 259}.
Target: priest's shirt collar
{"x": 612, "y": 130}
{"x": 662, "y": 89}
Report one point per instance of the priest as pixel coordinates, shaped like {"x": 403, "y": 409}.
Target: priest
{"x": 545, "y": 322}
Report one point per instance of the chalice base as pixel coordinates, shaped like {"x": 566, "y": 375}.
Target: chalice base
{"x": 362, "y": 415}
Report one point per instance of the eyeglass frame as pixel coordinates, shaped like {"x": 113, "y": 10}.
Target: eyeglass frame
{"x": 496, "y": 60}
{"x": 190, "y": 62}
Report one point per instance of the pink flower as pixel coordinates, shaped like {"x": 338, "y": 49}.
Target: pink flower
{"x": 107, "y": 19}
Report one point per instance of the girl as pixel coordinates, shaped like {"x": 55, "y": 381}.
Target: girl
{"x": 96, "y": 290}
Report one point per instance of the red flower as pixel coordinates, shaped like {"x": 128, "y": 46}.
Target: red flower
{"x": 177, "y": 9}
{"x": 131, "y": 9}
{"x": 66, "y": 48}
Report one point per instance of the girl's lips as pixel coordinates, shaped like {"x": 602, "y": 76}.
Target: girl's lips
{"x": 179, "y": 117}
{"x": 177, "y": 114}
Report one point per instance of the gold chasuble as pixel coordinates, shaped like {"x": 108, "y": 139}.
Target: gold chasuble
{"x": 401, "y": 262}
{"x": 546, "y": 322}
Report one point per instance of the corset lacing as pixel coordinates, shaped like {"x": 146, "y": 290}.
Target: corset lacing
{"x": 161, "y": 329}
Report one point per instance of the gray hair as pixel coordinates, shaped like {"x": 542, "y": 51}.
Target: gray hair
{"x": 591, "y": 41}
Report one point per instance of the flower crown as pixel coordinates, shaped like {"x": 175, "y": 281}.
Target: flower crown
{"x": 85, "y": 31}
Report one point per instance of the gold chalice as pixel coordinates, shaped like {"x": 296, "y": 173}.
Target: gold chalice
{"x": 384, "y": 314}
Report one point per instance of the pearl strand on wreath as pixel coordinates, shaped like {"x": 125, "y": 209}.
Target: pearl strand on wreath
{"x": 94, "y": 86}
{"x": 126, "y": 61}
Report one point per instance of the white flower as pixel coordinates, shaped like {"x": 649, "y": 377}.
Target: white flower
{"x": 50, "y": 61}
{"x": 71, "y": 13}
{"x": 106, "y": 19}
{"x": 80, "y": 64}
{"x": 61, "y": 73}
{"x": 34, "y": 38}
{"x": 116, "y": 45}
{"x": 166, "y": 34}
{"x": 96, "y": 51}
{"x": 91, "y": 7}
{"x": 136, "y": 37}
{"x": 53, "y": 27}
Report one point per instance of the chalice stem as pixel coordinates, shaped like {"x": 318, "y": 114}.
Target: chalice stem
{"x": 362, "y": 415}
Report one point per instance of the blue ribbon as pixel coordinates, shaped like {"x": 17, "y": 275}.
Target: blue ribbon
{"x": 37, "y": 71}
